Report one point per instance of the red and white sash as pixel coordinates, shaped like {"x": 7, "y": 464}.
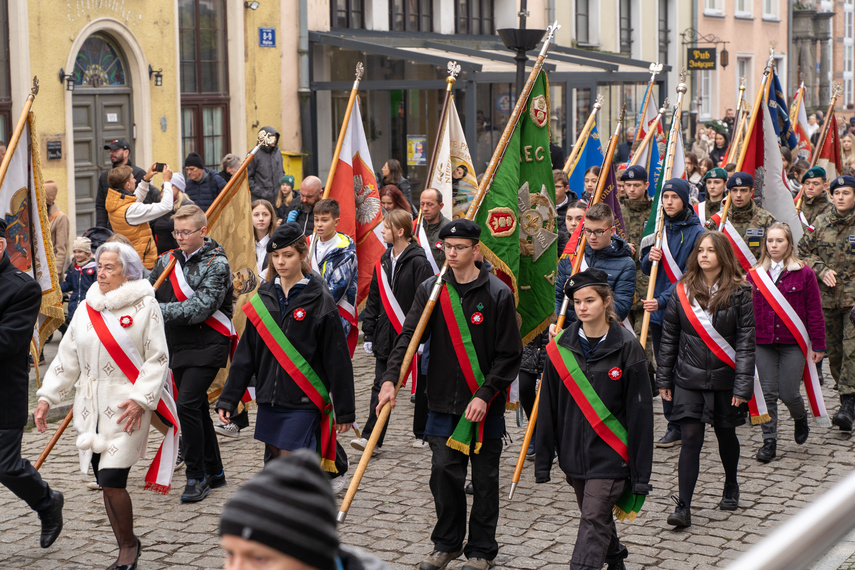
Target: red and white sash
{"x": 124, "y": 353}
{"x": 796, "y": 326}
{"x": 218, "y": 321}
{"x": 421, "y": 235}
{"x": 700, "y": 210}
{"x": 395, "y": 313}
{"x": 672, "y": 269}
{"x": 722, "y": 350}
{"x": 740, "y": 248}
{"x": 625, "y": 323}
{"x": 804, "y": 221}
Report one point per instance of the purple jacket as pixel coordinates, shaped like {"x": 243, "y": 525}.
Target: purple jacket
{"x": 800, "y": 288}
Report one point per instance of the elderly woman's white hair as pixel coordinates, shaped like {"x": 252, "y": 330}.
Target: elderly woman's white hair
{"x": 132, "y": 266}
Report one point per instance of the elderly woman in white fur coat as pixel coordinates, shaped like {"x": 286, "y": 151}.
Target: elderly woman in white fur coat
{"x": 116, "y": 335}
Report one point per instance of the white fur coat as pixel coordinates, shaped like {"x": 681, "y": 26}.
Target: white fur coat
{"x": 100, "y": 384}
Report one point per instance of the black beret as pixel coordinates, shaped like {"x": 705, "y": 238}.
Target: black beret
{"x": 815, "y": 172}
{"x": 847, "y": 181}
{"x": 285, "y": 235}
{"x": 2, "y": 228}
{"x": 635, "y": 173}
{"x": 462, "y": 228}
{"x": 591, "y": 276}
{"x": 717, "y": 173}
{"x": 740, "y": 179}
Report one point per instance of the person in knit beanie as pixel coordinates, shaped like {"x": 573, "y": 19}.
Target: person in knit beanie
{"x": 286, "y": 515}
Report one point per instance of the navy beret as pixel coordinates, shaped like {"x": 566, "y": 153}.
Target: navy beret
{"x": 815, "y": 172}
{"x": 591, "y": 276}
{"x": 461, "y": 228}
{"x": 740, "y": 179}
{"x": 285, "y": 235}
{"x": 847, "y": 181}
{"x": 635, "y": 173}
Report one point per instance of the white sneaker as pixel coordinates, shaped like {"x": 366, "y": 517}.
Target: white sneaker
{"x": 93, "y": 485}
{"x": 339, "y": 484}
{"x": 359, "y": 443}
{"x": 228, "y": 430}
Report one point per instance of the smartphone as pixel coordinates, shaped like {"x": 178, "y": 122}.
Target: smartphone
{"x": 159, "y": 166}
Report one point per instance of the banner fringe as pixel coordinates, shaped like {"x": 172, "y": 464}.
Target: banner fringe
{"x": 328, "y": 465}
{"x": 761, "y": 419}
{"x": 458, "y": 446}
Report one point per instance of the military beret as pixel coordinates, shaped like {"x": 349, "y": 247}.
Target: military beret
{"x": 740, "y": 179}
{"x": 285, "y": 235}
{"x": 2, "y": 228}
{"x": 462, "y": 228}
{"x": 635, "y": 173}
{"x": 716, "y": 173}
{"x": 815, "y": 172}
{"x": 591, "y": 276}
{"x": 847, "y": 181}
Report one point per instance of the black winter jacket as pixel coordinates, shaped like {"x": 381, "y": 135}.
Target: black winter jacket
{"x": 496, "y": 338}
{"x": 411, "y": 270}
{"x": 534, "y": 354}
{"x": 318, "y": 337}
{"x": 561, "y": 425}
{"x": 20, "y": 299}
{"x": 205, "y": 191}
{"x": 265, "y": 171}
{"x": 684, "y": 360}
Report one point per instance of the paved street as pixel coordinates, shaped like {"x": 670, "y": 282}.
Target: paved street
{"x": 392, "y": 514}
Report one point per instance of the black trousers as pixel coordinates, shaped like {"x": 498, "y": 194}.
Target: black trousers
{"x": 596, "y": 541}
{"x": 420, "y": 411}
{"x": 379, "y": 369}
{"x": 667, "y": 407}
{"x": 447, "y": 482}
{"x": 17, "y": 475}
{"x": 201, "y": 451}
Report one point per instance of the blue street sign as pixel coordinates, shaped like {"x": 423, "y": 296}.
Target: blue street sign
{"x": 266, "y": 37}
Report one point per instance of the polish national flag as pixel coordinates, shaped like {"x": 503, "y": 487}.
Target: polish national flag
{"x": 800, "y": 126}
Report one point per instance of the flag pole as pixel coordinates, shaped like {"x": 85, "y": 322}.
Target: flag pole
{"x": 453, "y": 71}
{"x": 660, "y": 215}
{"x": 487, "y": 179}
{"x": 836, "y": 90}
{"x": 655, "y": 68}
{"x": 586, "y": 130}
{"x": 562, "y": 315}
{"x": 794, "y": 111}
{"x": 651, "y": 133}
{"x": 19, "y": 130}
{"x": 360, "y": 69}
{"x": 212, "y": 214}
{"x": 756, "y": 110}
{"x": 740, "y": 119}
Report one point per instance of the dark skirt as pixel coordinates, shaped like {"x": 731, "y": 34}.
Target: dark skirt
{"x": 112, "y": 478}
{"x": 707, "y": 406}
{"x": 287, "y": 429}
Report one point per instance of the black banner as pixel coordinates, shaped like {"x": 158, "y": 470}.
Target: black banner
{"x": 701, "y": 58}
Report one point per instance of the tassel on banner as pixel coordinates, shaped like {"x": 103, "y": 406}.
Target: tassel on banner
{"x": 763, "y": 418}
{"x": 328, "y": 465}
{"x": 461, "y": 447}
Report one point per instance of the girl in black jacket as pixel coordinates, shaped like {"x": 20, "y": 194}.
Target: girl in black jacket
{"x": 302, "y": 307}
{"x": 406, "y": 267}
{"x": 602, "y": 467}
{"x": 704, "y": 388}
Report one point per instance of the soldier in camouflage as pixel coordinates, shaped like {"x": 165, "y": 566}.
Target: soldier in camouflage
{"x": 749, "y": 219}
{"x": 830, "y": 251}
{"x": 815, "y": 200}
{"x": 715, "y": 180}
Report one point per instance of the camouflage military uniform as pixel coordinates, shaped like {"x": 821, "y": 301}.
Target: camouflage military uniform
{"x": 751, "y": 222}
{"x": 635, "y": 215}
{"x": 832, "y": 246}
{"x": 812, "y": 208}
{"x": 711, "y": 208}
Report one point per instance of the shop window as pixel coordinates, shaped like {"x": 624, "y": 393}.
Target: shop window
{"x": 474, "y": 17}
{"x": 348, "y": 14}
{"x": 411, "y": 15}
{"x": 5, "y": 77}
{"x": 204, "y": 80}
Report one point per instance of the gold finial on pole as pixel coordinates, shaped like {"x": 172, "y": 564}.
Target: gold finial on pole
{"x": 35, "y": 90}
{"x": 360, "y": 71}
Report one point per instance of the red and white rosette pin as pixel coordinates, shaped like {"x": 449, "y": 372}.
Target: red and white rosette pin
{"x": 126, "y": 321}
{"x": 299, "y": 314}
{"x": 477, "y": 318}
{"x": 615, "y": 373}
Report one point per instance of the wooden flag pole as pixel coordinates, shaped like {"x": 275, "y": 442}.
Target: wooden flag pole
{"x": 577, "y": 262}
{"x": 655, "y": 68}
{"x": 586, "y": 130}
{"x": 738, "y": 131}
{"x": 453, "y": 71}
{"x": 660, "y": 215}
{"x": 836, "y": 90}
{"x": 386, "y": 410}
{"x": 360, "y": 70}
{"x": 19, "y": 130}
{"x": 650, "y": 134}
{"x": 213, "y": 213}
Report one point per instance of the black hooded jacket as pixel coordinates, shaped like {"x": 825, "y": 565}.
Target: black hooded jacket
{"x": 561, "y": 425}
{"x": 411, "y": 270}
{"x": 265, "y": 171}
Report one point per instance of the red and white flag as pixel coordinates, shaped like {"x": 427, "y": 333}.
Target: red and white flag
{"x": 355, "y": 189}
{"x": 650, "y": 115}
{"x": 800, "y": 126}
{"x": 454, "y": 174}
{"x": 829, "y": 154}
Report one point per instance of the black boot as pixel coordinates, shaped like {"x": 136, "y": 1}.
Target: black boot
{"x": 730, "y": 496}
{"x": 802, "y": 430}
{"x": 616, "y": 560}
{"x": 845, "y": 416}
{"x": 769, "y": 450}
{"x": 682, "y": 515}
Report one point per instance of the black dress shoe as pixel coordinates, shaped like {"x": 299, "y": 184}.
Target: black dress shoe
{"x": 730, "y": 497}
{"x": 216, "y": 481}
{"x": 682, "y": 515}
{"x": 136, "y": 560}
{"x": 769, "y": 451}
{"x": 51, "y": 519}
{"x": 195, "y": 491}
{"x": 802, "y": 430}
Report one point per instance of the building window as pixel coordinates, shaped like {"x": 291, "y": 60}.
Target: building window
{"x": 5, "y": 76}
{"x": 583, "y": 36}
{"x": 770, "y": 10}
{"x": 744, "y": 8}
{"x": 411, "y": 15}
{"x": 474, "y": 17}
{"x": 347, "y": 14}
{"x": 98, "y": 64}
{"x": 625, "y": 26}
{"x": 705, "y": 96}
{"x": 664, "y": 32}
{"x": 204, "y": 81}
{"x": 848, "y": 52}
{"x": 714, "y": 7}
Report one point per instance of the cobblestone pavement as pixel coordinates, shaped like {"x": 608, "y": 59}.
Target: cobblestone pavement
{"x": 392, "y": 515}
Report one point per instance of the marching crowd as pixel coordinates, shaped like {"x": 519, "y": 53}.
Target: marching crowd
{"x": 741, "y": 316}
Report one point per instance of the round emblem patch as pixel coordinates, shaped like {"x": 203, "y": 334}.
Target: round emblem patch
{"x": 300, "y": 314}
{"x": 477, "y": 318}
{"x": 615, "y": 373}
{"x": 438, "y": 245}
{"x": 126, "y": 321}
{"x": 90, "y": 271}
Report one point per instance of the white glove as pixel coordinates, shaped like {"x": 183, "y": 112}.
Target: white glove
{"x": 368, "y": 347}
